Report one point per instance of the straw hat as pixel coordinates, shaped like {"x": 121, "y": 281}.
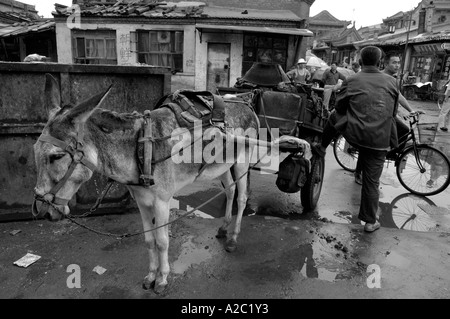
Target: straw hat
{"x": 301, "y": 61}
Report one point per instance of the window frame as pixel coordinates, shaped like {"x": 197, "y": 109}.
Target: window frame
{"x": 175, "y": 57}
{"x": 83, "y": 36}
{"x": 255, "y": 48}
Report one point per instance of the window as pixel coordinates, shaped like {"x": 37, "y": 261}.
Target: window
{"x": 161, "y": 48}
{"x": 261, "y": 48}
{"x": 442, "y": 19}
{"x": 94, "y": 47}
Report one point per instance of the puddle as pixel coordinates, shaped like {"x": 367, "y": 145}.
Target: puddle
{"x": 406, "y": 211}
{"x": 190, "y": 254}
{"x": 398, "y": 209}
{"x": 326, "y": 260}
{"x": 174, "y": 203}
{"x": 318, "y": 273}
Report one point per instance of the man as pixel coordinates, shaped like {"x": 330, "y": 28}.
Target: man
{"x": 365, "y": 109}
{"x": 391, "y": 68}
{"x": 299, "y": 74}
{"x": 445, "y": 110}
{"x": 330, "y": 79}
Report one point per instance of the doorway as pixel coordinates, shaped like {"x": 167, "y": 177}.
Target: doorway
{"x": 218, "y": 71}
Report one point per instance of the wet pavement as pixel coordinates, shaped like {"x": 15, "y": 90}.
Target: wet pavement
{"x": 282, "y": 252}
{"x": 276, "y": 259}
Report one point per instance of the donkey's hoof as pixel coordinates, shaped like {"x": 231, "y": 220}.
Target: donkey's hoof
{"x": 221, "y": 233}
{"x": 148, "y": 284}
{"x": 231, "y": 246}
{"x": 160, "y": 288}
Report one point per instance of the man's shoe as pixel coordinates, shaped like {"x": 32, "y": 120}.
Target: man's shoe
{"x": 317, "y": 150}
{"x": 358, "y": 178}
{"x": 371, "y": 227}
{"x": 444, "y": 129}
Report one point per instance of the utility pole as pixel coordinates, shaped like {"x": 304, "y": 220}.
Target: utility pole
{"x": 402, "y": 73}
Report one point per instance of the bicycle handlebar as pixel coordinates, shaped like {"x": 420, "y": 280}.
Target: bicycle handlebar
{"x": 414, "y": 118}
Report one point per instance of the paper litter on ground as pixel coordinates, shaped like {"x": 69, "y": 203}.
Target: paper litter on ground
{"x": 99, "y": 270}
{"x": 27, "y": 260}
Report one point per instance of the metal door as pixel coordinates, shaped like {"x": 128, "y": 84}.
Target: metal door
{"x": 218, "y": 73}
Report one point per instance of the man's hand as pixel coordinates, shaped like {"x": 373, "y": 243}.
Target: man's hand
{"x": 412, "y": 114}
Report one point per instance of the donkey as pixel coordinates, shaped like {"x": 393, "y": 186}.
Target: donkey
{"x": 85, "y": 137}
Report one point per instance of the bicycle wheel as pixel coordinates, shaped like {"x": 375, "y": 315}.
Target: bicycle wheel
{"x": 345, "y": 155}
{"x": 425, "y": 172}
{"x": 310, "y": 192}
{"x": 407, "y": 212}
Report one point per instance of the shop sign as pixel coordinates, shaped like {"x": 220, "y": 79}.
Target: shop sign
{"x": 429, "y": 48}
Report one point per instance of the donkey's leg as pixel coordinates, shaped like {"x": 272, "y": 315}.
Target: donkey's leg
{"x": 227, "y": 180}
{"x": 145, "y": 205}
{"x": 162, "y": 213}
{"x": 239, "y": 170}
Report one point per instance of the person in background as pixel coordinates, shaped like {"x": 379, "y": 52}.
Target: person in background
{"x": 445, "y": 110}
{"x": 365, "y": 109}
{"x": 356, "y": 67}
{"x": 299, "y": 74}
{"x": 330, "y": 79}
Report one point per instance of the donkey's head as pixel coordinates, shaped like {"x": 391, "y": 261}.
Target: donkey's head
{"x": 63, "y": 160}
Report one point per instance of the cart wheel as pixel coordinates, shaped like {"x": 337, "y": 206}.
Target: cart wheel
{"x": 310, "y": 192}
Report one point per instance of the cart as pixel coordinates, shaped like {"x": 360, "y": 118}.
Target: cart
{"x": 297, "y": 111}
{"x": 423, "y": 91}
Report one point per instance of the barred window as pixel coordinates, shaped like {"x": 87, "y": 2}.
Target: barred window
{"x": 161, "y": 48}
{"x": 264, "y": 48}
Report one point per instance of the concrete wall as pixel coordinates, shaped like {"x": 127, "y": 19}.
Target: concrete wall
{"x": 24, "y": 115}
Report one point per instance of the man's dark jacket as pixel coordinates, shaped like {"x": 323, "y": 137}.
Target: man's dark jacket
{"x": 366, "y": 106}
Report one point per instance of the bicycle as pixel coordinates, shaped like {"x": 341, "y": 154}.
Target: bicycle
{"x": 420, "y": 168}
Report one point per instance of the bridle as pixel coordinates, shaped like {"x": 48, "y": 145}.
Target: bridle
{"x": 77, "y": 154}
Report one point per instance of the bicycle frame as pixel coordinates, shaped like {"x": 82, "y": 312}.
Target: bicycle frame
{"x": 403, "y": 140}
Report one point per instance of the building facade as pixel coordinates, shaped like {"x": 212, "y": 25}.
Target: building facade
{"x": 332, "y": 39}
{"x": 421, "y": 36}
{"x": 23, "y": 32}
{"x": 204, "y": 46}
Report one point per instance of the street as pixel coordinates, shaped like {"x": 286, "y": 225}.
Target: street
{"x": 282, "y": 253}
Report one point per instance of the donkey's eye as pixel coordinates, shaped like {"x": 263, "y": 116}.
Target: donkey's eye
{"x": 55, "y": 157}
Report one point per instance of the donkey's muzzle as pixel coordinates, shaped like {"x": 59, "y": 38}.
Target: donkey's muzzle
{"x": 43, "y": 209}
{"x": 40, "y": 209}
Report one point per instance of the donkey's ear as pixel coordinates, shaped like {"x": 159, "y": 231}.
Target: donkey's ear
{"x": 52, "y": 94}
{"x": 82, "y": 111}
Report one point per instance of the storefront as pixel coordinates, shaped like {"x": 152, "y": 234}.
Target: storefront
{"x": 430, "y": 63}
